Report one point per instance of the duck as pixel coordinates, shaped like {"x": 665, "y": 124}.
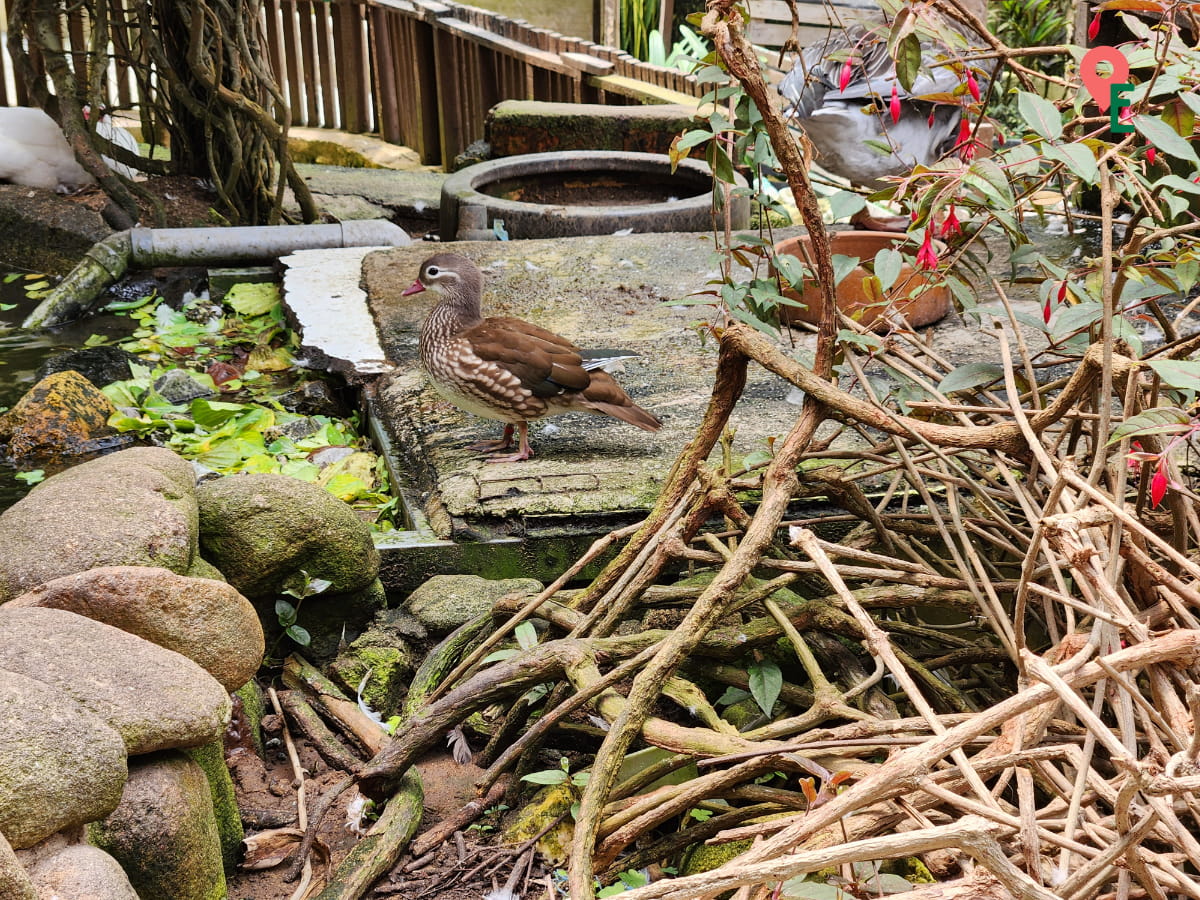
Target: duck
{"x": 842, "y": 108}
{"x": 35, "y": 153}
{"x": 506, "y": 369}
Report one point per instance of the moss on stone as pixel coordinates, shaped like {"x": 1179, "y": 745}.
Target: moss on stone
{"x": 706, "y": 857}
{"x": 254, "y": 707}
{"x": 211, "y": 758}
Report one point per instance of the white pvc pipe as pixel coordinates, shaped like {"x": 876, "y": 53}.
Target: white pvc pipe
{"x": 150, "y": 247}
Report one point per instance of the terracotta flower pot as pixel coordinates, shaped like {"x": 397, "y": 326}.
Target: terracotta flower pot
{"x": 913, "y": 296}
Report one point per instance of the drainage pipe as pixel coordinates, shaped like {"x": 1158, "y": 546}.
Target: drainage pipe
{"x": 108, "y": 260}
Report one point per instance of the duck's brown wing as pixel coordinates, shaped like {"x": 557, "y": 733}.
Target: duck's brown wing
{"x": 545, "y": 363}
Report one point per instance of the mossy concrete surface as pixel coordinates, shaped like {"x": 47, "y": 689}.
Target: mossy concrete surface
{"x": 514, "y": 127}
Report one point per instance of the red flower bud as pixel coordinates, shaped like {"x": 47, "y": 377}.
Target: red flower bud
{"x": 1151, "y": 155}
{"x": 1046, "y": 311}
{"x": 1062, "y": 291}
{"x": 972, "y": 84}
{"x": 847, "y": 71}
{"x": 1094, "y": 27}
{"x": 1158, "y": 486}
{"x": 895, "y": 104}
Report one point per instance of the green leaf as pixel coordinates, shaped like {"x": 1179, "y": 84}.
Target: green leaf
{"x": 1177, "y": 373}
{"x": 971, "y": 375}
{"x": 285, "y": 613}
{"x": 32, "y": 477}
{"x": 766, "y": 681}
{"x": 843, "y": 266}
{"x": 799, "y": 889}
{"x": 526, "y": 636}
{"x": 211, "y": 414}
{"x": 908, "y": 60}
{"x": 546, "y": 776}
{"x": 299, "y": 635}
{"x": 1078, "y": 159}
{"x": 887, "y": 266}
{"x": 1164, "y": 137}
{"x": 499, "y": 656}
{"x": 844, "y": 204}
{"x": 253, "y": 299}
{"x": 1159, "y": 420}
{"x": 1040, "y": 115}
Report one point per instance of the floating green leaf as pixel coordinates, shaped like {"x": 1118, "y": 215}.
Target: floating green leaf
{"x": 253, "y": 299}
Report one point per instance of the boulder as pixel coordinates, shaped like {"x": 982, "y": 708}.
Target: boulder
{"x": 99, "y": 365}
{"x": 261, "y": 531}
{"x": 387, "y": 650}
{"x": 81, "y": 872}
{"x": 14, "y": 881}
{"x": 163, "y": 833}
{"x": 153, "y": 697}
{"x": 209, "y": 622}
{"x": 133, "y": 508}
{"x": 61, "y": 416}
{"x": 445, "y": 602}
{"x": 60, "y": 765}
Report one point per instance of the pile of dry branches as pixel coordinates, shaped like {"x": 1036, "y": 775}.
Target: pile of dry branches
{"x": 1045, "y": 750}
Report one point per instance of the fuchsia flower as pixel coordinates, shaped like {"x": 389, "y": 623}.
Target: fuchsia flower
{"x": 972, "y": 85}
{"x": 951, "y": 225}
{"x": 1062, "y": 291}
{"x": 1151, "y": 155}
{"x": 926, "y": 257}
{"x": 847, "y": 71}
{"x": 964, "y": 130}
{"x": 1094, "y": 27}
{"x": 895, "y": 104}
{"x": 1046, "y": 310}
{"x": 1158, "y": 485}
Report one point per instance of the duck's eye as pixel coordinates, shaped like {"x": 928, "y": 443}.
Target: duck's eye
{"x": 432, "y": 271}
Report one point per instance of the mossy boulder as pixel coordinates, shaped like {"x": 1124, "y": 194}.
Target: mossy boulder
{"x": 386, "y": 650}
{"x": 133, "y": 508}
{"x": 61, "y": 416}
{"x": 262, "y": 531}
{"x": 164, "y": 833}
{"x": 445, "y": 602}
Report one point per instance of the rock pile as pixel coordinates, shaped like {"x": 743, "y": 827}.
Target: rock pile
{"x": 128, "y": 605}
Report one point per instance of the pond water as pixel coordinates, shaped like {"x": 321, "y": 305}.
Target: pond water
{"x": 22, "y": 352}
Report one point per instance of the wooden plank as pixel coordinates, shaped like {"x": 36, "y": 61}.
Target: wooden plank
{"x": 297, "y": 50}
{"x": 354, "y": 67}
{"x": 541, "y": 58}
{"x": 447, "y": 59}
{"x": 638, "y": 90}
{"x": 273, "y": 30}
{"x": 322, "y": 35}
{"x": 383, "y": 73}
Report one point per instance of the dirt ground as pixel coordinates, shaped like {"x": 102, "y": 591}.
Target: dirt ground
{"x": 465, "y": 867}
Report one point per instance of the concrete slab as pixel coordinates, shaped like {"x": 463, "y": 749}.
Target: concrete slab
{"x": 322, "y": 291}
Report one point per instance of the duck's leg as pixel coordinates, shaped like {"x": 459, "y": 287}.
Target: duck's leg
{"x": 495, "y": 446}
{"x": 864, "y": 221}
{"x": 524, "y": 451}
